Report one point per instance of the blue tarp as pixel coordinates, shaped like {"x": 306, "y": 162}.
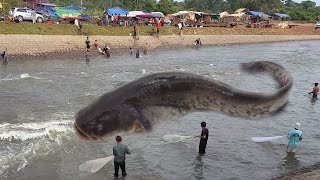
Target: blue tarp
{"x": 51, "y": 12}
{"x": 281, "y": 15}
{"x": 85, "y": 17}
{"x": 256, "y": 13}
{"x": 117, "y": 10}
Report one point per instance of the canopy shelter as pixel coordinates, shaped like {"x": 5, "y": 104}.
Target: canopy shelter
{"x": 225, "y": 13}
{"x": 134, "y": 13}
{"x": 150, "y": 15}
{"x": 47, "y": 5}
{"x": 266, "y": 17}
{"x": 158, "y": 14}
{"x": 67, "y": 13}
{"x": 51, "y": 12}
{"x": 280, "y": 16}
{"x": 146, "y": 15}
{"x": 77, "y": 8}
{"x": 117, "y": 10}
{"x": 256, "y": 13}
{"x": 241, "y": 10}
{"x": 183, "y": 13}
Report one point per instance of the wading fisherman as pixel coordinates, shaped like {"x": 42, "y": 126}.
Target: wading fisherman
{"x": 119, "y": 151}
{"x": 315, "y": 91}
{"x": 294, "y": 136}
{"x": 203, "y": 138}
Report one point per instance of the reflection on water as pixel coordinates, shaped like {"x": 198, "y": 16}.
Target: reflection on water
{"x": 198, "y": 167}
{"x": 290, "y": 160}
{"x": 313, "y": 100}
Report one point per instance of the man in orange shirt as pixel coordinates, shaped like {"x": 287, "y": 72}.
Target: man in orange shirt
{"x": 158, "y": 26}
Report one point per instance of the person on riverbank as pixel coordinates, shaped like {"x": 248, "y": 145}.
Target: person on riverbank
{"x": 203, "y": 138}
{"x": 180, "y": 28}
{"x": 33, "y": 16}
{"x": 88, "y": 44}
{"x": 137, "y": 53}
{"x": 135, "y": 32}
{"x": 4, "y": 56}
{"x": 315, "y": 91}
{"x": 294, "y": 136}
{"x": 106, "y": 51}
{"x": 145, "y": 49}
{"x": 197, "y": 42}
{"x": 96, "y": 44}
{"x": 119, "y": 151}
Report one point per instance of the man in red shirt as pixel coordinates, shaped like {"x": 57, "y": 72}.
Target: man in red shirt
{"x": 315, "y": 90}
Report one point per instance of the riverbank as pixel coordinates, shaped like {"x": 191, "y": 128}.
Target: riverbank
{"x": 33, "y": 45}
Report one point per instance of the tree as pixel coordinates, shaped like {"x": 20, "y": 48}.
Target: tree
{"x": 308, "y": 4}
{"x": 166, "y": 6}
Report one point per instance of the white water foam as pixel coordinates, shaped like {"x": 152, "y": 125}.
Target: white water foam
{"x": 19, "y": 77}
{"x": 28, "y": 140}
{"x": 26, "y": 75}
{"x": 25, "y": 131}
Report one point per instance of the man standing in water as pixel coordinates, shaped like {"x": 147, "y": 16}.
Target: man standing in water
{"x": 88, "y": 44}
{"x": 4, "y": 56}
{"x": 203, "y": 138}
{"x": 315, "y": 91}
{"x": 294, "y": 136}
{"x": 119, "y": 152}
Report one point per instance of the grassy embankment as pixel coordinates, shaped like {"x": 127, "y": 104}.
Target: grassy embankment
{"x": 68, "y": 29}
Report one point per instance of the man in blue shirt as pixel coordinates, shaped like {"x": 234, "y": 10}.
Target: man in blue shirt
{"x": 119, "y": 152}
{"x": 294, "y": 136}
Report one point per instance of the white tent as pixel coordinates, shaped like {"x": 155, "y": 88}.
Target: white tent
{"x": 135, "y": 13}
{"x": 225, "y": 13}
{"x": 182, "y": 13}
{"x": 159, "y": 13}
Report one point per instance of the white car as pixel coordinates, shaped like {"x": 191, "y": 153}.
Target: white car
{"x": 24, "y": 13}
{"x": 317, "y": 25}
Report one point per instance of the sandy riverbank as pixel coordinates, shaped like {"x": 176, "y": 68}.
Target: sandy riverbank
{"x": 42, "y": 44}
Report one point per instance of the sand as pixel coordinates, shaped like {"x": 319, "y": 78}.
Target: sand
{"x": 42, "y": 44}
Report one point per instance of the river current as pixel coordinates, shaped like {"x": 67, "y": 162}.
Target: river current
{"x": 39, "y": 98}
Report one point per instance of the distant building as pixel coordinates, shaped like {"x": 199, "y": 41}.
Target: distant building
{"x": 34, "y": 3}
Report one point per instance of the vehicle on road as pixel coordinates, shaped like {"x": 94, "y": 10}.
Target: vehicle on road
{"x": 317, "y": 25}
{"x": 25, "y": 14}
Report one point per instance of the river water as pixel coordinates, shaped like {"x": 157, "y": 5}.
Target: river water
{"x": 39, "y": 98}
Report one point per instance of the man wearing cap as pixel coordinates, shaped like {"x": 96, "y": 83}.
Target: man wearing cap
{"x": 294, "y": 136}
{"x": 203, "y": 138}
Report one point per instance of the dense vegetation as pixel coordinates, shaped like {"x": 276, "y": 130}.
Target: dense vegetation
{"x": 306, "y": 10}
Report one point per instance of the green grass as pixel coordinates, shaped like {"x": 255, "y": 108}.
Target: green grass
{"x": 69, "y": 29}
{"x": 93, "y": 29}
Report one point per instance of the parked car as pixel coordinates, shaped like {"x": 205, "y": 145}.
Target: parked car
{"x": 317, "y": 25}
{"x": 23, "y": 13}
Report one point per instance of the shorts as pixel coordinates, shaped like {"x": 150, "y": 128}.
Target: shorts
{"x": 290, "y": 149}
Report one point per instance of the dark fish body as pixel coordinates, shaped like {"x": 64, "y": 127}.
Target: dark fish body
{"x": 152, "y": 99}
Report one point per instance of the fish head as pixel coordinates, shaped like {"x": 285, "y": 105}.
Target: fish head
{"x": 93, "y": 125}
